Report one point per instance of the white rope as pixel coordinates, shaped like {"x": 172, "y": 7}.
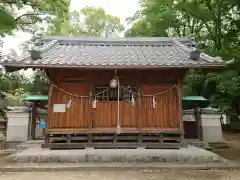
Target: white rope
{"x": 94, "y": 95}
{"x": 78, "y": 96}
{"x": 150, "y": 95}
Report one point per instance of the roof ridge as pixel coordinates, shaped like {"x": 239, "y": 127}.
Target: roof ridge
{"x": 210, "y": 58}
{"x": 37, "y": 52}
{"x": 192, "y": 52}
{"x": 46, "y": 47}
{"x": 121, "y": 40}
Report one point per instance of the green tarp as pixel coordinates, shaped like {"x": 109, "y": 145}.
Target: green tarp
{"x": 36, "y": 98}
{"x": 191, "y": 102}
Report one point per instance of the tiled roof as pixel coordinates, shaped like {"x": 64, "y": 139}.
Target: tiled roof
{"x": 92, "y": 52}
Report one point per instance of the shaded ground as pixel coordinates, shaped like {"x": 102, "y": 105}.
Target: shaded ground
{"x": 230, "y": 150}
{"x": 123, "y": 175}
{"x": 4, "y": 153}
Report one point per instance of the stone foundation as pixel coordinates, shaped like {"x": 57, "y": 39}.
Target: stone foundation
{"x": 184, "y": 155}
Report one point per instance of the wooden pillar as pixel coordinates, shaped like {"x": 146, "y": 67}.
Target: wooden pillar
{"x": 180, "y": 111}
{"x": 139, "y": 113}
{"x": 139, "y": 108}
{"x": 33, "y": 120}
{"x": 90, "y": 108}
{"x": 44, "y": 130}
{"x": 46, "y": 141}
{"x": 90, "y": 112}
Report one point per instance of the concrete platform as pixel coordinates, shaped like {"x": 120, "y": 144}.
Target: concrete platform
{"x": 147, "y": 167}
{"x": 190, "y": 155}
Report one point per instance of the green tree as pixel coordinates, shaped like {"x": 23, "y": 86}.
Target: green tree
{"x": 24, "y": 14}
{"x": 155, "y": 17}
{"x": 215, "y": 25}
{"x": 89, "y": 21}
{"x": 39, "y": 84}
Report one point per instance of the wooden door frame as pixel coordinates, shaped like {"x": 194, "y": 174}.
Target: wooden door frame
{"x": 109, "y": 102}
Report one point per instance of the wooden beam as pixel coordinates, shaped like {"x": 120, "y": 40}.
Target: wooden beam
{"x": 139, "y": 108}
{"x": 68, "y": 138}
{"x": 110, "y": 145}
{"x": 180, "y": 109}
{"x": 113, "y": 130}
{"x": 90, "y": 109}
{"x": 33, "y": 120}
{"x": 90, "y": 138}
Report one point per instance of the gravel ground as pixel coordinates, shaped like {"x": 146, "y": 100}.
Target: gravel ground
{"x": 123, "y": 175}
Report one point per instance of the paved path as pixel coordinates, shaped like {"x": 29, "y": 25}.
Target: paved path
{"x": 120, "y": 175}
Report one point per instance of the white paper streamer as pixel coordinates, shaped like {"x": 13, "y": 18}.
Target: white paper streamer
{"x": 154, "y": 102}
{"x": 94, "y": 104}
{"x": 69, "y": 104}
{"x": 133, "y": 100}
{"x": 118, "y": 127}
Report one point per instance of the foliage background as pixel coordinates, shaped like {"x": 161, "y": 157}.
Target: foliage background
{"x": 214, "y": 24}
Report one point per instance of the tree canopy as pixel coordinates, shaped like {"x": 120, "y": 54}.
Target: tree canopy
{"x": 24, "y": 14}
{"x": 215, "y": 25}
{"x": 89, "y": 21}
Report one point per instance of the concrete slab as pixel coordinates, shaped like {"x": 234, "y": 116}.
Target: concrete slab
{"x": 33, "y": 167}
{"x": 190, "y": 155}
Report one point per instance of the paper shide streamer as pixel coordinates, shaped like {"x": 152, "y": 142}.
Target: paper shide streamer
{"x": 69, "y": 104}
{"x": 154, "y": 102}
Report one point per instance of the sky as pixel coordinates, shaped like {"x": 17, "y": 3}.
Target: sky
{"x": 122, "y": 9}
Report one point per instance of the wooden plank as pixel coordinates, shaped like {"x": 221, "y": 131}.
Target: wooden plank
{"x": 104, "y": 137}
{"x": 161, "y": 138}
{"x": 163, "y": 115}
{"x": 139, "y": 108}
{"x": 58, "y": 138}
{"x": 115, "y": 138}
{"x": 113, "y": 130}
{"x": 46, "y": 139}
{"x": 180, "y": 110}
{"x": 63, "y": 94}
{"x": 111, "y": 145}
{"x": 162, "y": 145}
{"x": 90, "y": 138}
{"x": 68, "y": 138}
{"x": 63, "y": 146}
{"x": 90, "y": 109}
{"x": 140, "y": 138}
{"x": 80, "y": 138}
